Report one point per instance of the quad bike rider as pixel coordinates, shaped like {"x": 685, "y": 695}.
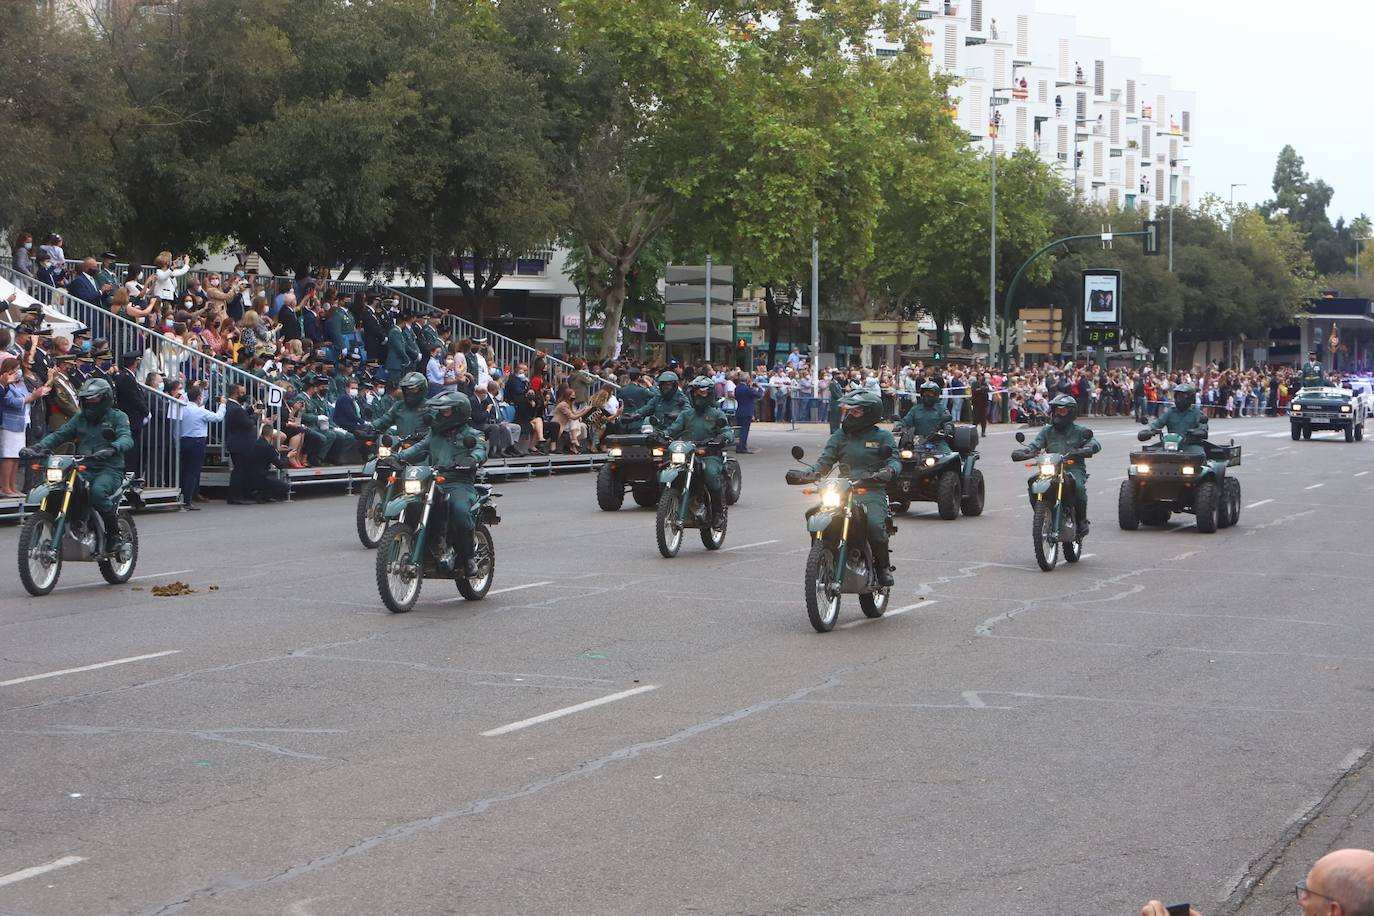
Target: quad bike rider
{"x": 929, "y": 419}
{"x": 1184, "y": 418}
{"x": 666, "y": 403}
{"x": 858, "y": 445}
{"x": 931, "y": 471}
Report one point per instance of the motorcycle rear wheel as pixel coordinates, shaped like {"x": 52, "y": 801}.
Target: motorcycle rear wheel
{"x": 1046, "y": 552}
{"x": 485, "y": 553}
{"x": 117, "y": 573}
{"x": 398, "y": 583}
{"x": 34, "y": 537}
{"x": 822, "y": 608}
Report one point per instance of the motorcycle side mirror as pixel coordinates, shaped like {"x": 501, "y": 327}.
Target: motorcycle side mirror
{"x": 469, "y": 441}
{"x": 107, "y": 434}
{"x": 1020, "y": 437}
{"x": 798, "y": 453}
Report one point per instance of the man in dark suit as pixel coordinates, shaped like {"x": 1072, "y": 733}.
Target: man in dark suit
{"x": 374, "y": 331}
{"x": 131, "y": 398}
{"x": 311, "y": 329}
{"x": 259, "y": 463}
{"x": 348, "y": 410}
{"x": 290, "y": 319}
{"x": 84, "y": 286}
{"x": 240, "y": 435}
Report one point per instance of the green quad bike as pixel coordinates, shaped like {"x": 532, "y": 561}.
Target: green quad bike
{"x": 1162, "y": 479}
{"x": 951, "y": 480}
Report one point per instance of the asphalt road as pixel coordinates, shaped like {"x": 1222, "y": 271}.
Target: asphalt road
{"x": 1160, "y": 720}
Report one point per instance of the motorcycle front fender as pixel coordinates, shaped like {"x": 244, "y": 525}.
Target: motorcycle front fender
{"x": 370, "y": 468}
{"x": 36, "y": 497}
{"x": 1041, "y": 485}
{"x": 668, "y": 475}
{"x": 397, "y": 506}
{"x": 819, "y": 522}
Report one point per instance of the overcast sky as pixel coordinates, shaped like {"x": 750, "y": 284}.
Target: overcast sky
{"x": 1266, "y": 73}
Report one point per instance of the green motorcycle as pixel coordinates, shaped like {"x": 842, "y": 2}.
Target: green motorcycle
{"x": 685, "y": 502}
{"x": 1052, "y": 491}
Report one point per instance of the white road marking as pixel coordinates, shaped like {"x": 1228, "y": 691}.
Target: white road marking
{"x": 1314, "y": 486}
{"x": 1186, "y": 527}
{"x": 174, "y": 572}
{"x": 1262, "y": 502}
{"x": 892, "y": 613}
{"x": 23, "y": 874}
{"x": 1277, "y": 435}
{"x": 1362, "y": 473}
{"x": 498, "y": 591}
{"x": 1084, "y": 556}
{"x": 117, "y": 661}
{"x": 566, "y": 711}
{"x": 755, "y": 544}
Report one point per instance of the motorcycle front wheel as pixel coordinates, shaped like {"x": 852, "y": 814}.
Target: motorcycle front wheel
{"x": 484, "y": 551}
{"x": 39, "y": 566}
{"x": 669, "y": 531}
{"x": 117, "y": 572}
{"x": 398, "y": 580}
{"x": 822, "y": 600}
{"x": 371, "y": 522}
{"x": 1046, "y": 550}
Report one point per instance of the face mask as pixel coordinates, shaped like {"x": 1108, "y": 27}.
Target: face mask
{"x": 353, "y": 392}
{"x": 197, "y": 328}
{"x": 521, "y": 376}
{"x": 28, "y": 246}
{"x": 239, "y": 274}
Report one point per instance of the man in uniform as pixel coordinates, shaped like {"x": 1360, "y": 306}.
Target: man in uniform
{"x": 667, "y": 401}
{"x": 328, "y": 441}
{"x": 634, "y": 395}
{"x": 448, "y": 414}
{"x": 1184, "y": 418}
{"x": 836, "y": 391}
{"x": 1065, "y": 437}
{"x": 398, "y": 355}
{"x": 929, "y": 419}
{"x": 704, "y": 422}
{"x": 858, "y": 444}
{"x": 406, "y": 414}
{"x": 104, "y": 457}
{"x": 1313, "y": 374}
{"x": 412, "y": 343}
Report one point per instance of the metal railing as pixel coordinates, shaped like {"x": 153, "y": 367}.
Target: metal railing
{"x": 158, "y": 351}
{"x": 160, "y": 462}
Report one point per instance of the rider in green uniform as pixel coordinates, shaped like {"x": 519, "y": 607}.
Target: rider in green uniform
{"x": 859, "y": 444}
{"x": 1184, "y": 418}
{"x": 665, "y": 402}
{"x": 445, "y": 446}
{"x": 929, "y": 419}
{"x": 104, "y": 458}
{"x": 703, "y": 422}
{"x": 407, "y": 414}
{"x": 1313, "y": 373}
{"x": 1065, "y": 437}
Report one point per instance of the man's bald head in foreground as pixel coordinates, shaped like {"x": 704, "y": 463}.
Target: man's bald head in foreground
{"x": 1341, "y": 882}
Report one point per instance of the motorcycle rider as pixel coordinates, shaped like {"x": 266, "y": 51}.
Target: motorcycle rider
{"x": 448, "y": 413}
{"x": 1065, "y": 437}
{"x": 705, "y": 421}
{"x": 667, "y": 401}
{"x": 407, "y": 414}
{"x": 930, "y": 419}
{"x": 104, "y": 458}
{"x": 858, "y": 444}
{"x": 1183, "y": 418}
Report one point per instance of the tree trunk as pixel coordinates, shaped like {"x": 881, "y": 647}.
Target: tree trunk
{"x": 968, "y": 333}
{"x": 770, "y": 307}
{"x": 615, "y": 307}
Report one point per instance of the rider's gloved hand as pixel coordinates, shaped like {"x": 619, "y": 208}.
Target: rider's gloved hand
{"x": 882, "y": 475}
{"x": 1198, "y": 432}
{"x": 28, "y": 452}
{"x": 795, "y": 477}
{"x": 1145, "y": 434}
{"x": 104, "y": 454}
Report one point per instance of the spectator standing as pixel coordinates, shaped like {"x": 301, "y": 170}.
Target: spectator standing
{"x": 747, "y": 394}
{"x": 167, "y": 273}
{"x": 133, "y": 400}
{"x": 240, "y": 434}
{"x": 52, "y": 245}
{"x": 85, "y": 287}
{"x": 23, "y": 255}
{"x": 195, "y": 432}
{"x": 980, "y": 401}
{"x": 15, "y": 398}
{"x": 46, "y": 273}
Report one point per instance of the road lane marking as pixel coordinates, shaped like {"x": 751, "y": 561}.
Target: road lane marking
{"x": 1362, "y": 473}
{"x": 117, "y": 661}
{"x": 566, "y": 711}
{"x": 23, "y": 874}
{"x": 893, "y": 613}
{"x": 755, "y": 544}
{"x": 1084, "y": 556}
{"x": 1277, "y": 435}
{"x": 174, "y": 572}
{"x": 1314, "y": 486}
{"x": 1262, "y": 502}
{"x": 496, "y": 591}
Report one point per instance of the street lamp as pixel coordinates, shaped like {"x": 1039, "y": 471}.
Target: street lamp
{"x": 1231, "y": 227}
{"x": 994, "y": 102}
{"x": 1172, "y": 163}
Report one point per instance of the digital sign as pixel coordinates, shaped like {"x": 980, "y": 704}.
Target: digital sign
{"x": 1102, "y": 297}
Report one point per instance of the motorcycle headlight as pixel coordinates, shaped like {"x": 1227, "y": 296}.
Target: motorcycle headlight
{"x": 1142, "y": 469}
{"x": 1047, "y": 469}
{"x": 908, "y": 453}
{"x": 413, "y": 487}
{"x": 1189, "y": 471}
{"x": 53, "y": 475}
{"x": 383, "y": 451}
{"x": 616, "y": 451}
{"x": 830, "y": 498}
{"x": 930, "y": 462}
{"x": 658, "y": 453}
{"x": 679, "y": 457}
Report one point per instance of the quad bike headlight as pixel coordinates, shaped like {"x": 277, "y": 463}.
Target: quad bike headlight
{"x": 1188, "y": 470}
{"x": 907, "y": 453}
{"x": 414, "y": 487}
{"x": 930, "y": 462}
{"x": 658, "y": 453}
{"x": 616, "y": 451}
{"x": 1142, "y": 469}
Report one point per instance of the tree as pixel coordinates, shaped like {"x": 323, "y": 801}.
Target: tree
{"x": 1304, "y": 202}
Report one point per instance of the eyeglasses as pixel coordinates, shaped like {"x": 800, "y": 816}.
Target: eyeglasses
{"x": 1300, "y": 890}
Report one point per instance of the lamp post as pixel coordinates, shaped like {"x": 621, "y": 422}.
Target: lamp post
{"x": 1172, "y": 163}
{"x": 1231, "y": 227}
{"x": 994, "y": 102}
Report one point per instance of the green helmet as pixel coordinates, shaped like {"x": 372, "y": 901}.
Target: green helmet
{"x": 413, "y": 388}
{"x": 667, "y": 383}
{"x": 1063, "y": 411}
{"x": 930, "y": 392}
{"x": 1185, "y": 396}
{"x": 96, "y": 397}
{"x": 860, "y": 410}
{"x": 448, "y": 410}
{"x": 701, "y": 392}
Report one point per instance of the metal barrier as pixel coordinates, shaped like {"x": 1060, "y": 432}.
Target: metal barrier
{"x": 186, "y": 363}
{"x": 160, "y": 442}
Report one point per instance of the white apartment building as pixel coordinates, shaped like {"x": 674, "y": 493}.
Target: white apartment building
{"x": 1029, "y": 77}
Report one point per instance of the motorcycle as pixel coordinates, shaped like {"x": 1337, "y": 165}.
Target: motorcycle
{"x": 415, "y": 544}
{"x": 61, "y": 525}
{"x": 835, "y": 566}
{"x": 1051, "y": 489}
{"x": 381, "y": 471}
{"x": 685, "y": 502}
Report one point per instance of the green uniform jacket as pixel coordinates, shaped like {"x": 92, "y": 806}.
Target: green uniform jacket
{"x": 1313, "y": 375}
{"x": 927, "y": 421}
{"x": 859, "y": 451}
{"x": 397, "y": 353}
{"x": 407, "y": 420}
{"x": 1180, "y": 422}
{"x": 412, "y": 346}
{"x": 89, "y": 438}
{"x": 428, "y": 339}
{"x": 699, "y": 426}
{"x": 1075, "y": 437}
{"x": 836, "y": 392}
{"x": 633, "y": 396}
{"x": 445, "y": 449}
{"x": 314, "y": 409}
{"x": 659, "y": 408}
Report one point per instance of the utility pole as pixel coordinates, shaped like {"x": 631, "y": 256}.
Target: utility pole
{"x": 994, "y": 103}
{"x": 815, "y": 312}
{"x": 707, "y": 351}
{"x": 1231, "y": 224}
{"x": 1173, "y": 163}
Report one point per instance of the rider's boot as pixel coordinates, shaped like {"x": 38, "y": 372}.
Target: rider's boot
{"x": 882, "y": 566}
{"x": 113, "y": 540}
{"x": 1082, "y": 522}
{"x": 717, "y": 511}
